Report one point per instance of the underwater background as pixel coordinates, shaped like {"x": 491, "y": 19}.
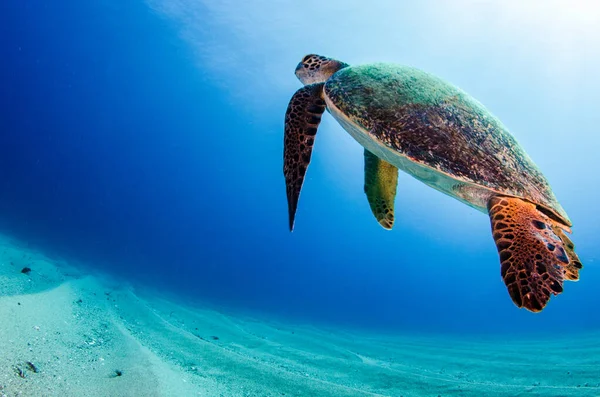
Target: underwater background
{"x": 145, "y": 139}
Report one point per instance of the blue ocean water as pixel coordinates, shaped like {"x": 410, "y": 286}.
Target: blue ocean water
{"x": 146, "y": 138}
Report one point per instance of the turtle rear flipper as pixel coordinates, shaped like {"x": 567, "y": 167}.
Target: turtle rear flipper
{"x": 535, "y": 254}
{"x": 302, "y": 119}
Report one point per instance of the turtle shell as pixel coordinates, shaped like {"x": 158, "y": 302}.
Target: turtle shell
{"x": 418, "y": 118}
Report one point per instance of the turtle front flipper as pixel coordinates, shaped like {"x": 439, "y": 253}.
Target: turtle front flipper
{"x": 381, "y": 180}
{"x": 302, "y": 119}
{"x": 535, "y": 254}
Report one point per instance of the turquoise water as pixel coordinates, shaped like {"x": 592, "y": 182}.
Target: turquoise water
{"x": 144, "y": 142}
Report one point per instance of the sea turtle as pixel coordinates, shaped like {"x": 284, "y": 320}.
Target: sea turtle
{"x": 411, "y": 120}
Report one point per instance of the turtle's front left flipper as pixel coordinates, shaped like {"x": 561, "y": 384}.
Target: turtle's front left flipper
{"x": 301, "y": 122}
{"x": 381, "y": 179}
{"x": 535, "y": 254}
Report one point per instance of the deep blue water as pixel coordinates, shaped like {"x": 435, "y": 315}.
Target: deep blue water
{"x": 119, "y": 147}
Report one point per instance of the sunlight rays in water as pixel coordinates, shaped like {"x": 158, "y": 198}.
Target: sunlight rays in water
{"x": 493, "y": 50}
{"x": 266, "y": 39}
{"x": 557, "y": 36}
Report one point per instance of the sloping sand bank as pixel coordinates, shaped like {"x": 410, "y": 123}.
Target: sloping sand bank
{"x": 64, "y": 333}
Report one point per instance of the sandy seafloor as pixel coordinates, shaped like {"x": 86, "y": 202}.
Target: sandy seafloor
{"x": 78, "y": 329}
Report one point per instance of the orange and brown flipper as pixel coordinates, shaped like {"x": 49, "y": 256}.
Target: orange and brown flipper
{"x": 535, "y": 254}
{"x": 301, "y": 122}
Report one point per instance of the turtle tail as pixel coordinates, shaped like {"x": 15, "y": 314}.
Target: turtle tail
{"x": 536, "y": 255}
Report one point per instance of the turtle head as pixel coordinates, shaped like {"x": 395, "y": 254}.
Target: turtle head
{"x": 317, "y": 69}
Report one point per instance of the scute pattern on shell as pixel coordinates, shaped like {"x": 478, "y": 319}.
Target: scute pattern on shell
{"x": 434, "y": 123}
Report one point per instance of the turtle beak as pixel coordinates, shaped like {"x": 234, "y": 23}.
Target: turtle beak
{"x": 298, "y": 70}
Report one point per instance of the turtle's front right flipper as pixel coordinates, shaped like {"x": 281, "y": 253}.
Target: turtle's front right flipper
{"x": 301, "y": 122}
